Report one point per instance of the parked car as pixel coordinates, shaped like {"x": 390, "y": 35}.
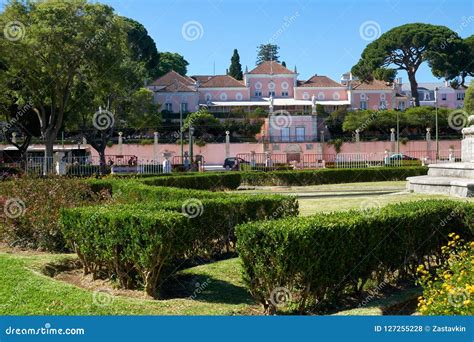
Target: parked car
{"x": 230, "y": 163}
{"x": 400, "y": 156}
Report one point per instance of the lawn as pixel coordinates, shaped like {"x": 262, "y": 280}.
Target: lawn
{"x": 209, "y": 289}
{"x": 25, "y": 290}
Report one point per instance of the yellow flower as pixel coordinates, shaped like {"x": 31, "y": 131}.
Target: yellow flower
{"x": 451, "y": 234}
{"x": 467, "y": 302}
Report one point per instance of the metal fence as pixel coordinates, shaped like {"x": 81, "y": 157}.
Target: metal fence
{"x": 89, "y": 166}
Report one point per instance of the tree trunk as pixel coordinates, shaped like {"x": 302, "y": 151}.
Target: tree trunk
{"x": 414, "y": 88}
{"x": 48, "y": 151}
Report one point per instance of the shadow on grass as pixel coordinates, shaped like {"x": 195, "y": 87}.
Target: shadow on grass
{"x": 205, "y": 288}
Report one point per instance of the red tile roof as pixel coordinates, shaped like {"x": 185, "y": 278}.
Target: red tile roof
{"x": 372, "y": 85}
{"x": 172, "y": 77}
{"x": 223, "y": 81}
{"x": 320, "y": 81}
{"x": 270, "y": 67}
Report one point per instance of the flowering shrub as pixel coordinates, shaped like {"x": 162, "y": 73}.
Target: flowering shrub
{"x": 30, "y": 210}
{"x": 450, "y": 291}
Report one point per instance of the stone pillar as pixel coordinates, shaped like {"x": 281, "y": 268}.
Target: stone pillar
{"x": 227, "y": 144}
{"x": 357, "y": 140}
{"x": 428, "y": 141}
{"x": 14, "y": 137}
{"x": 392, "y": 139}
{"x": 120, "y": 143}
{"x": 155, "y": 147}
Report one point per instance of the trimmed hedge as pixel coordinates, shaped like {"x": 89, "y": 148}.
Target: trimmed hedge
{"x": 321, "y": 257}
{"x": 134, "y": 245}
{"x": 201, "y": 181}
{"x": 137, "y": 243}
{"x": 332, "y": 176}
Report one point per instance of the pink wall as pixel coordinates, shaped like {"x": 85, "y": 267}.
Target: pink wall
{"x": 281, "y": 83}
{"x": 215, "y": 153}
{"x": 374, "y": 98}
{"x": 224, "y": 94}
{"x": 451, "y": 99}
{"x": 322, "y": 94}
{"x": 176, "y": 99}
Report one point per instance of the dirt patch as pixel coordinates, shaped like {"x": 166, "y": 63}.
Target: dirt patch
{"x": 77, "y": 278}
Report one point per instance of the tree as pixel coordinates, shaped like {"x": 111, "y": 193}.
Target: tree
{"x": 204, "y": 124}
{"x": 235, "y": 69}
{"x": 458, "y": 65}
{"x": 283, "y": 64}
{"x": 267, "y": 52}
{"x": 171, "y": 61}
{"x": 384, "y": 74}
{"x": 406, "y": 47}
{"x": 469, "y": 99}
{"x": 142, "y": 47}
{"x": 63, "y": 39}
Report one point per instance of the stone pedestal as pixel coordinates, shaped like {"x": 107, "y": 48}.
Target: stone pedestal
{"x": 454, "y": 179}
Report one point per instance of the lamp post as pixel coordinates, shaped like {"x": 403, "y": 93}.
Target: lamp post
{"x": 191, "y": 132}
{"x": 181, "y": 132}
{"x": 398, "y": 132}
{"x": 436, "y": 122}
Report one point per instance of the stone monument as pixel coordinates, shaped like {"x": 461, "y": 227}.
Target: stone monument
{"x": 455, "y": 179}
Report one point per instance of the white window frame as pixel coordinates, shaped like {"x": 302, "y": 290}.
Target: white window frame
{"x": 169, "y": 106}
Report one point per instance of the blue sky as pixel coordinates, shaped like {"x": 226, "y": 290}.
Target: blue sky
{"x": 322, "y": 37}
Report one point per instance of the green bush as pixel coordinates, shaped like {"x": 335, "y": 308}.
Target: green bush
{"x": 134, "y": 245}
{"x": 30, "y": 213}
{"x": 216, "y": 218}
{"x": 85, "y": 170}
{"x": 331, "y": 176}
{"x": 319, "y": 258}
{"x": 201, "y": 181}
{"x": 118, "y": 239}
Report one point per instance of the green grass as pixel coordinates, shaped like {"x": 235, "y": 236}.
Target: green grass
{"x": 24, "y": 290}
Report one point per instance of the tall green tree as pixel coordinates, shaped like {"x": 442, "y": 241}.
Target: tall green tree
{"x": 469, "y": 99}
{"x": 142, "y": 47}
{"x": 235, "y": 69}
{"x": 171, "y": 61}
{"x": 406, "y": 47}
{"x": 267, "y": 52}
{"x": 61, "y": 40}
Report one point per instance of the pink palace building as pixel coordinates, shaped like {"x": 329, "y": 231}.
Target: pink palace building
{"x": 273, "y": 88}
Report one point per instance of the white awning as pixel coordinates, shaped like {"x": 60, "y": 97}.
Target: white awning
{"x": 277, "y": 102}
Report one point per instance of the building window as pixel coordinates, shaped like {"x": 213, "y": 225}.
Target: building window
{"x": 169, "y": 107}
{"x": 184, "y": 107}
{"x": 284, "y": 93}
{"x": 271, "y": 93}
{"x": 285, "y": 134}
{"x": 258, "y": 93}
{"x": 363, "y": 105}
{"x": 401, "y": 105}
{"x": 443, "y": 97}
{"x": 383, "y": 105}
{"x": 300, "y": 134}
{"x": 460, "y": 96}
